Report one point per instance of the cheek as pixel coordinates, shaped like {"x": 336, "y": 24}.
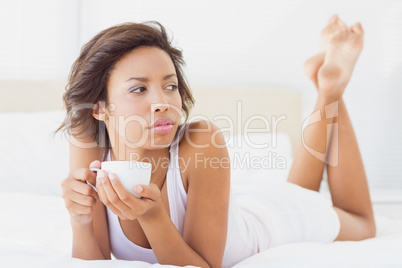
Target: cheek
{"x": 129, "y": 123}
{"x": 176, "y": 104}
{"x": 131, "y": 130}
{"x": 135, "y": 132}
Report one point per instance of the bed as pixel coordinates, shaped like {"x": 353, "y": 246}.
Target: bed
{"x": 34, "y": 226}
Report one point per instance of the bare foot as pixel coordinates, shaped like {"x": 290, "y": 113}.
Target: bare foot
{"x": 313, "y": 64}
{"x": 331, "y": 69}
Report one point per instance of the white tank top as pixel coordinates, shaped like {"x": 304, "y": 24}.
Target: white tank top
{"x": 262, "y": 214}
{"x": 236, "y": 248}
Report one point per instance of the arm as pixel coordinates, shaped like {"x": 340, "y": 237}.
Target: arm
{"x": 205, "y": 228}
{"x": 166, "y": 242}
{"x": 90, "y": 236}
{"x": 207, "y": 205}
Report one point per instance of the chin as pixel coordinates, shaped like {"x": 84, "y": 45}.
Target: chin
{"x": 161, "y": 141}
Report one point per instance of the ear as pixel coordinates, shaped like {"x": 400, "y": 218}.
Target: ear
{"x": 99, "y": 111}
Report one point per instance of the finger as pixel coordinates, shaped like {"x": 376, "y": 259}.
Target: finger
{"x": 84, "y": 174}
{"x": 95, "y": 164}
{"x": 84, "y": 200}
{"x": 83, "y": 188}
{"x": 148, "y": 191}
{"x": 104, "y": 199}
{"x": 124, "y": 195}
{"x": 111, "y": 197}
{"x": 78, "y": 208}
{"x": 101, "y": 191}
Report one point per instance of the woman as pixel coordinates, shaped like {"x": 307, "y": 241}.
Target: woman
{"x": 125, "y": 98}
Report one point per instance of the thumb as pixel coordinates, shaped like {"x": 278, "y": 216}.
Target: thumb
{"x": 95, "y": 164}
{"x": 150, "y": 191}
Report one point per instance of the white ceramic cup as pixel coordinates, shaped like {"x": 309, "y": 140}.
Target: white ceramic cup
{"x": 129, "y": 173}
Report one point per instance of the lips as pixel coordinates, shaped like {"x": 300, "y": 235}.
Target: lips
{"x": 162, "y": 122}
{"x": 162, "y": 126}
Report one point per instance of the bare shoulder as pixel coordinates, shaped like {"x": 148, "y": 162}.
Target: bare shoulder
{"x": 208, "y": 178}
{"x": 202, "y": 147}
{"x": 201, "y": 135}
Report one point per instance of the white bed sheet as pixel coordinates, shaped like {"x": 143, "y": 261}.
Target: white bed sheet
{"x": 34, "y": 224}
{"x": 35, "y": 232}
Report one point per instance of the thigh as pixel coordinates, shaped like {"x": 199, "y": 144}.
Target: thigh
{"x": 306, "y": 216}
{"x": 284, "y": 213}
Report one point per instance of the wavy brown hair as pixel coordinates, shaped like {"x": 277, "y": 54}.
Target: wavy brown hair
{"x": 87, "y": 83}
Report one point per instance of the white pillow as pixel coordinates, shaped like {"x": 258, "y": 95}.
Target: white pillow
{"x": 260, "y": 156}
{"x": 31, "y": 159}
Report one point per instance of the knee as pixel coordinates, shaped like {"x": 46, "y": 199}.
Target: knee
{"x": 371, "y": 228}
{"x": 368, "y": 228}
{"x": 355, "y": 227}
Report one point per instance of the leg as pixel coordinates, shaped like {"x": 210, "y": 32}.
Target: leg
{"x": 307, "y": 169}
{"x": 347, "y": 180}
{"x": 348, "y": 184}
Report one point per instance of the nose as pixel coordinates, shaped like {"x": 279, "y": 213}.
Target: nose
{"x": 159, "y": 107}
{"x": 159, "y": 103}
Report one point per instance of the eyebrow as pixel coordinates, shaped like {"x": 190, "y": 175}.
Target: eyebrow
{"x": 144, "y": 79}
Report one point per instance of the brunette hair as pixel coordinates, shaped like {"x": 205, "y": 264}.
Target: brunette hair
{"x": 87, "y": 83}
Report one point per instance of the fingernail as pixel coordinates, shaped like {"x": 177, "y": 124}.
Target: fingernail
{"x": 101, "y": 174}
{"x": 112, "y": 177}
{"x": 138, "y": 189}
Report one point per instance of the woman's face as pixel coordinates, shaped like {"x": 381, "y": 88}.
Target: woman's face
{"x": 145, "y": 104}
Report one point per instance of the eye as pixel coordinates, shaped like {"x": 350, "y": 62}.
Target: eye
{"x": 137, "y": 89}
{"x": 172, "y": 87}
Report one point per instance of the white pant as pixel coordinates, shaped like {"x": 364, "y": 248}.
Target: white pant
{"x": 272, "y": 213}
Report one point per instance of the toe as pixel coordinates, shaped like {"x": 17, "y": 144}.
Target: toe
{"x": 333, "y": 19}
{"x": 357, "y": 28}
{"x": 347, "y": 29}
{"x": 341, "y": 23}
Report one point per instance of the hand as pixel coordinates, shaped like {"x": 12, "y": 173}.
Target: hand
{"x": 124, "y": 204}
{"x": 79, "y": 197}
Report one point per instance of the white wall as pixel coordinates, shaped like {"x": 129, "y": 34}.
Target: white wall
{"x": 38, "y": 38}
{"x": 253, "y": 43}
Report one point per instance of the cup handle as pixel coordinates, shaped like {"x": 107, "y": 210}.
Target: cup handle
{"x": 94, "y": 170}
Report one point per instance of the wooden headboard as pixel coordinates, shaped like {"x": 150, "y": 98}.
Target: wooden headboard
{"x": 235, "y": 107}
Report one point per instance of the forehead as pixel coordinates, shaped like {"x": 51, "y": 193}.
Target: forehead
{"x": 144, "y": 61}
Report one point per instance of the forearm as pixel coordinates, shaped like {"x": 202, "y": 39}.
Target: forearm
{"x": 85, "y": 245}
{"x": 168, "y": 245}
